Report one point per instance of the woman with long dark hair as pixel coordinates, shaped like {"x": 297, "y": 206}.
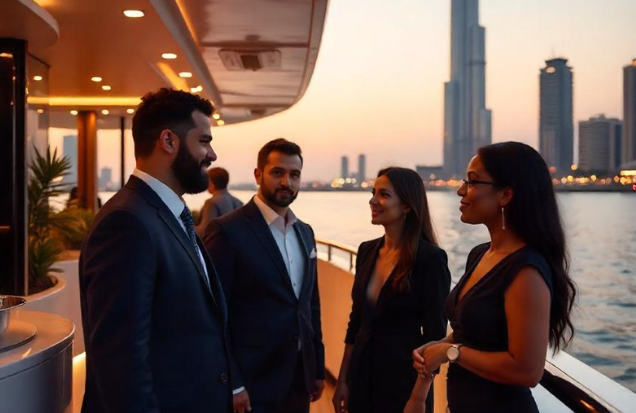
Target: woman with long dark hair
{"x": 516, "y": 295}
{"x": 398, "y": 296}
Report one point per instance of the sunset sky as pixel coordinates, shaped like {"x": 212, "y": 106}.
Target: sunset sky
{"x": 378, "y": 84}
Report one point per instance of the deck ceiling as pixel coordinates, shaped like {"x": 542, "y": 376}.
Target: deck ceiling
{"x": 279, "y": 38}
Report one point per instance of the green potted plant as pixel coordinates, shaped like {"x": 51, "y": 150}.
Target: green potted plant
{"x": 51, "y": 230}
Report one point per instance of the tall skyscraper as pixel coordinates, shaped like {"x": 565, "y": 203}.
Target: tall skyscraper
{"x": 106, "y": 179}
{"x": 344, "y": 167}
{"x": 467, "y": 122}
{"x": 600, "y": 144}
{"x": 629, "y": 112}
{"x": 69, "y": 150}
{"x": 362, "y": 166}
{"x": 556, "y": 127}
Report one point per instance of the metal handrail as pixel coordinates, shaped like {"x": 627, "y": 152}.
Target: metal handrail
{"x": 565, "y": 388}
{"x": 340, "y": 247}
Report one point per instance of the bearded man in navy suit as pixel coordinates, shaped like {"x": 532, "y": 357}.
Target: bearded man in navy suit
{"x": 153, "y": 310}
{"x": 266, "y": 259}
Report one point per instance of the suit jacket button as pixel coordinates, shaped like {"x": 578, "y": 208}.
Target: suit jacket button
{"x": 223, "y": 378}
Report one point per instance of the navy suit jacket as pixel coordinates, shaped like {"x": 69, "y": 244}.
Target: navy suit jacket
{"x": 266, "y": 319}
{"x": 155, "y": 333}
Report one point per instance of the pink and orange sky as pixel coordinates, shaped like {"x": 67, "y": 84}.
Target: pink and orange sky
{"x": 378, "y": 84}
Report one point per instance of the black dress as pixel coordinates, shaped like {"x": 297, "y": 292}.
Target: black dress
{"x": 479, "y": 321}
{"x": 381, "y": 375}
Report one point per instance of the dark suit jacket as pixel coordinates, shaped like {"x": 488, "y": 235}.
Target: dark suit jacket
{"x": 385, "y": 335}
{"x": 266, "y": 319}
{"x": 155, "y": 333}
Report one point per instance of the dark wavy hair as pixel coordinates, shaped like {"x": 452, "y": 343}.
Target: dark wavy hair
{"x": 533, "y": 213}
{"x": 409, "y": 187}
{"x": 165, "y": 109}
{"x": 277, "y": 145}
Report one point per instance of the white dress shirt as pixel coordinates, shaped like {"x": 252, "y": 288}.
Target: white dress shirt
{"x": 287, "y": 241}
{"x": 174, "y": 203}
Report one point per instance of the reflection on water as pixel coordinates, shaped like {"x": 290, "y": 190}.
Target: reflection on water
{"x": 601, "y": 231}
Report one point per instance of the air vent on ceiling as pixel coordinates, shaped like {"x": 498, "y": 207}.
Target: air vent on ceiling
{"x": 251, "y": 59}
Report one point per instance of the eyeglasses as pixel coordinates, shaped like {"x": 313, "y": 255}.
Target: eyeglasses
{"x": 473, "y": 182}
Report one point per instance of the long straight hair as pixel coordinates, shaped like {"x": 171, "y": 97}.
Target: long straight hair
{"x": 409, "y": 188}
{"x": 533, "y": 213}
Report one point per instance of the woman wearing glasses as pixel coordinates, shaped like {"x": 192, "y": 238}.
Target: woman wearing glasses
{"x": 516, "y": 295}
{"x": 402, "y": 280}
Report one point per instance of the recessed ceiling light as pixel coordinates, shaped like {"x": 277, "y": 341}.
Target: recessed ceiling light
{"x": 216, "y": 116}
{"x": 40, "y": 110}
{"x": 185, "y": 75}
{"x": 196, "y": 89}
{"x": 105, "y": 112}
{"x": 37, "y": 78}
{"x": 74, "y": 112}
{"x": 134, "y": 14}
{"x": 220, "y": 123}
{"x": 169, "y": 56}
{"x": 130, "y": 111}
{"x": 96, "y": 79}
{"x": 106, "y": 87}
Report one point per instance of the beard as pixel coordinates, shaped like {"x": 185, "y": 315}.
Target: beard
{"x": 189, "y": 172}
{"x": 281, "y": 197}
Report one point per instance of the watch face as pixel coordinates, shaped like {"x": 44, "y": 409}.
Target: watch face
{"x": 452, "y": 353}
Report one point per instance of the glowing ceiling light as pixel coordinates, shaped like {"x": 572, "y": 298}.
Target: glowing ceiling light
{"x": 130, "y": 111}
{"x": 169, "y": 56}
{"x": 105, "y": 112}
{"x": 185, "y": 75}
{"x": 74, "y": 112}
{"x": 37, "y": 78}
{"x": 196, "y": 89}
{"x": 216, "y": 116}
{"x": 134, "y": 14}
{"x": 40, "y": 111}
{"x": 96, "y": 79}
{"x": 106, "y": 87}
{"x": 220, "y": 122}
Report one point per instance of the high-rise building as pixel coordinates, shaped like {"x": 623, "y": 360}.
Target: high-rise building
{"x": 362, "y": 166}
{"x": 344, "y": 167}
{"x": 69, "y": 150}
{"x": 467, "y": 122}
{"x": 629, "y": 113}
{"x": 556, "y": 125}
{"x": 106, "y": 179}
{"x": 600, "y": 144}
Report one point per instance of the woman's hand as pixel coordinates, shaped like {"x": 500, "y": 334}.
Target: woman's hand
{"x": 435, "y": 356}
{"x": 340, "y": 398}
{"x": 418, "y": 357}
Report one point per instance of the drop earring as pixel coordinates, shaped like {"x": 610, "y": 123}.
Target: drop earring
{"x": 503, "y": 219}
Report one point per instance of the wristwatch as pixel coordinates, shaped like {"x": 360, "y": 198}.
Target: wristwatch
{"x": 453, "y": 352}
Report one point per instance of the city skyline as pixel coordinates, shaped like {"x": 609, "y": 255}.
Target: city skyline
{"x": 390, "y": 104}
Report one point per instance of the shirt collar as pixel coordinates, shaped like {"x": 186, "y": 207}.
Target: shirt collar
{"x": 272, "y": 217}
{"x": 174, "y": 203}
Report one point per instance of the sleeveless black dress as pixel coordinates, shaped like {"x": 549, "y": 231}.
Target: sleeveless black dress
{"x": 479, "y": 321}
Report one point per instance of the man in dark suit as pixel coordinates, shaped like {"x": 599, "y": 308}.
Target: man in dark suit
{"x": 266, "y": 259}
{"x": 153, "y": 310}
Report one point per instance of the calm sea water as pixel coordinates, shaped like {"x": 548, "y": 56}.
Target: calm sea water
{"x": 601, "y": 231}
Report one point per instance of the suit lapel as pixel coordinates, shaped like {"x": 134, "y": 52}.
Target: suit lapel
{"x": 215, "y": 284}
{"x": 183, "y": 239}
{"x": 263, "y": 233}
{"x": 305, "y": 243}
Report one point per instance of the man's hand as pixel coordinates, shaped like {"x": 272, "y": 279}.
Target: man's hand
{"x": 319, "y": 386}
{"x": 241, "y": 402}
